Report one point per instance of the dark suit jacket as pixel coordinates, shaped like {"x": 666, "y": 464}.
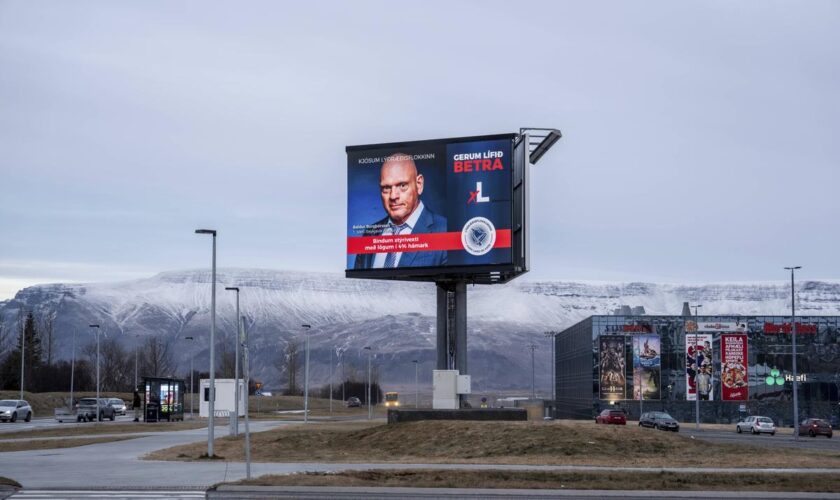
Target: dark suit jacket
{"x": 429, "y": 222}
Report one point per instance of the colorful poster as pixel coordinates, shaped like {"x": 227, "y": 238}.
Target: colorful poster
{"x": 612, "y": 366}
{"x": 647, "y": 367}
{"x": 733, "y": 362}
{"x": 698, "y": 366}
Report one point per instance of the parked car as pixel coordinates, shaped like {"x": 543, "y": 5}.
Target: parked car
{"x": 86, "y": 410}
{"x": 13, "y": 409}
{"x": 815, "y": 427}
{"x": 118, "y": 404}
{"x": 659, "y": 420}
{"x": 353, "y": 402}
{"x": 616, "y": 417}
{"x": 756, "y": 425}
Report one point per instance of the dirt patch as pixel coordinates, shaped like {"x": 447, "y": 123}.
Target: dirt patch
{"x": 95, "y": 428}
{"x": 432, "y": 478}
{"x": 46, "y": 444}
{"x": 558, "y": 442}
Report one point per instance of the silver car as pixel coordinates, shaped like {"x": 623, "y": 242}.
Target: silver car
{"x": 118, "y": 404}
{"x": 756, "y": 425}
{"x": 13, "y": 409}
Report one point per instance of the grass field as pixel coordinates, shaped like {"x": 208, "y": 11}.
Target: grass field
{"x": 436, "y": 478}
{"x": 557, "y": 442}
{"x": 46, "y": 444}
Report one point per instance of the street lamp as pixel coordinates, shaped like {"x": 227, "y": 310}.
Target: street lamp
{"x": 247, "y": 369}
{"x": 192, "y": 382}
{"x": 793, "y": 338}
{"x": 136, "y": 349}
{"x": 696, "y": 369}
{"x": 236, "y": 364}
{"x": 416, "y": 387}
{"x": 98, "y": 408}
{"x": 212, "y": 392}
{"x": 331, "y": 379}
{"x": 552, "y": 334}
{"x": 533, "y": 348}
{"x": 306, "y": 377}
{"x": 72, "y": 369}
{"x": 22, "y": 357}
{"x": 370, "y": 409}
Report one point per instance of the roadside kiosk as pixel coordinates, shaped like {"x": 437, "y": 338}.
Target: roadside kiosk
{"x": 163, "y": 399}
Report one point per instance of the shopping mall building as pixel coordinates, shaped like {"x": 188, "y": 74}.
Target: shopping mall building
{"x": 742, "y": 365}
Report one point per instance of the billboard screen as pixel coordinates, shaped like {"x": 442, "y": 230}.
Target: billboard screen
{"x": 647, "y": 367}
{"x": 612, "y": 367}
{"x": 430, "y": 205}
{"x": 733, "y": 366}
{"x": 698, "y": 366}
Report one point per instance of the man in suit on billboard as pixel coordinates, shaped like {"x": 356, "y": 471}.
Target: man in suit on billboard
{"x": 400, "y": 187}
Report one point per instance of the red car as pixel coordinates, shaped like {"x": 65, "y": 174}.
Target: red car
{"x": 611, "y": 417}
{"x": 815, "y": 427}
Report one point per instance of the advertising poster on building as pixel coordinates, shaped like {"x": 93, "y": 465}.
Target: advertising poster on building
{"x": 647, "y": 367}
{"x": 430, "y": 204}
{"x": 698, "y": 366}
{"x": 612, "y": 380}
{"x": 734, "y": 384}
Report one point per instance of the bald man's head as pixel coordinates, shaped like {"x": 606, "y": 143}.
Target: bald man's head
{"x": 400, "y": 187}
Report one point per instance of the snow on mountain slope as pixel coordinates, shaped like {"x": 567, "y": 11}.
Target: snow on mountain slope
{"x": 396, "y": 318}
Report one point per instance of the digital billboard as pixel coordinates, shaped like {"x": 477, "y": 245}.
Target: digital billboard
{"x": 431, "y": 208}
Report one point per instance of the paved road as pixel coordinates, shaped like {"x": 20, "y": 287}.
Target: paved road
{"x": 45, "y": 423}
{"x": 116, "y": 494}
{"x": 779, "y": 440}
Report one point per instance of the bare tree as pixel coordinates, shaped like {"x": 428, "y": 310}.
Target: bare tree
{"x": 156, "y": 357}
{"x": 290, "y": 365}
{"x": 115, "y": 373}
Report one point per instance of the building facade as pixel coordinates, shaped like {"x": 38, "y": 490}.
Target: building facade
{"x": 737, "y": 365}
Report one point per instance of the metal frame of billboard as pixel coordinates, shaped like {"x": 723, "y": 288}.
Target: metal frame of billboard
{"x": 480, "y": 274}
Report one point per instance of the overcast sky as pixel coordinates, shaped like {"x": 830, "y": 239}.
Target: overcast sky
{"x": 701, "y": 139}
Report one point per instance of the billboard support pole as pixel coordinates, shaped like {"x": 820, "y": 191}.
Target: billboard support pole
{"x": 452, "y": 328}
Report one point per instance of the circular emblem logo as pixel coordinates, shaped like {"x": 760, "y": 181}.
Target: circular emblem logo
{"x": 478, "y": 236}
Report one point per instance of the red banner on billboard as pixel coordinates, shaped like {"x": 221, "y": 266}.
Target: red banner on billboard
{"x": 733, "y": 362}
{"x": 776, "y": 329}
{"x": 421, "y": 242}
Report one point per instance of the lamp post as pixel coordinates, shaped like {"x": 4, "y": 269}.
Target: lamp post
{"x": 533, "y": 373}
{"x": 306, "y": 328}
{"x": 370, "y": 409}
{"x": 212, "y": 392}
{"x": 22, "y": 357}
{"x": 331, "y": 380}
{"x": 98, "y": 408}
{"x": 192, "y": 371}
{"x": 72, "y": 369}
{"x": 236, "y": 365}
{"x": 696, "y": 369}
{"x": 247, "y": 369}
{"x": 136, "y": 349}
{"x": 793, "y": 340}
{"x": 416, "y": 387}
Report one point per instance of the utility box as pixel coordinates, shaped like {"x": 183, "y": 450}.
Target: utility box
{"x": 445, "y": 390}
{"x": 225, "y": 397}
{"x": 464, "y": 384}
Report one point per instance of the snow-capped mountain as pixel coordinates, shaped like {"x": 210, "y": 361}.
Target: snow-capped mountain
{"x": 396, "y": 318}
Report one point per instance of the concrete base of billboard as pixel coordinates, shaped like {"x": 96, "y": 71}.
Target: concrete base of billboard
{"x": 406, "y": 415}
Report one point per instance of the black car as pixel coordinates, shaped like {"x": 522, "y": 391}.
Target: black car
{"x": 659, "y": 420}
{"x": 353, "y": 402}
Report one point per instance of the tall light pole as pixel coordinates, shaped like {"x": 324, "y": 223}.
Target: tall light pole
{"x": 192, "y": 386}
{"x": 533, "y": 373}
{"x": 22, "y": 357}
{"x": 98, "y": 408}
{"x": 212, "y": 392}
{"x": 370, "y": 410}
{"x": 136, "y": 349}
{"x": 306, "y": 328}
{"x": 793, "y": 339}
{"x": 696, "y": 369}
{"x": 331, "y": 379}
{"x": 236, "y": 364}
{"x": 247, "y": 369}
{"x": 72, "y": 369}
{"x": 416, "y": 387}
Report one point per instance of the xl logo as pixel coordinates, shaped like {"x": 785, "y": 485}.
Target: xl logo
{"x": 476, "y": 196}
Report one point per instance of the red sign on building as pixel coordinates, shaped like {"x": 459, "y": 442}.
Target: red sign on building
{"x": 733, "y": 363}
{"x": 775, "y": 329}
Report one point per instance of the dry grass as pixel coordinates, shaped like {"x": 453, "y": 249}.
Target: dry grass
{"x": 95, "y": 428}
{"x": 558, "y": 442}
{"x": 46, "y": 444}
{"x": 471, "y": 479}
